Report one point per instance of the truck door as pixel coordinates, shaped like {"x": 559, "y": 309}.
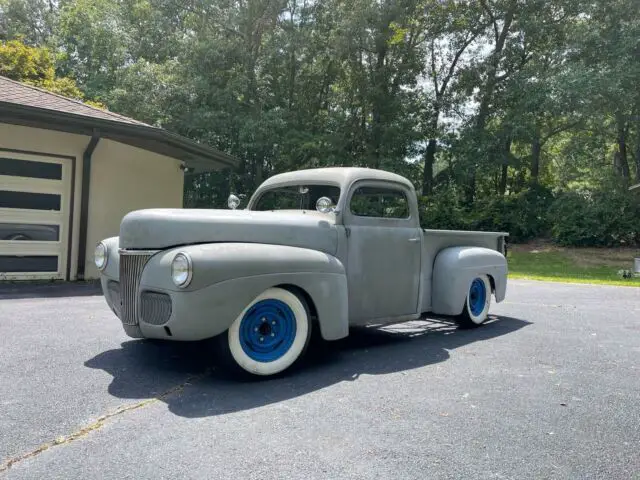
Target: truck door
{"x": 384, "y": 251}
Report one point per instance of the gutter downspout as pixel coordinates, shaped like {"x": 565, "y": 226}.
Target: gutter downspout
{"x": 84, "y": 202}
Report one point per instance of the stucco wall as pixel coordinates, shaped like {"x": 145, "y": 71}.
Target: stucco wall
{"x": 38, "y": 140}
{"x": 125, "y": 178}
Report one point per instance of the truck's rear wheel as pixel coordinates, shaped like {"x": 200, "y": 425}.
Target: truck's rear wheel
{"x": 477, "y": 303}
{"x": 269, "y": 335}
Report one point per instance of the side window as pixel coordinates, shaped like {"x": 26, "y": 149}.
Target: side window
{"x": 379, "y": 202}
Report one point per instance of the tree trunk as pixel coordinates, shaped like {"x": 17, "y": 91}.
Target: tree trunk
{"x": 379, "y": 99}
{"x": 470, "y": 190}
{"x": 502, "y": 188}
{"x": 637, "y": 155}
{"x": 292, "y": 77}
{"x": 638, "y": 160}
{"x": 536, "y": 147}
{"x": 429, "y": 159}
{"x": 487, "y": 96}
{"x": 622, "y": 147}
{"x": 258, "y": 172}
{"x": 492, "y": 75}
{"x": 292, "y": 57}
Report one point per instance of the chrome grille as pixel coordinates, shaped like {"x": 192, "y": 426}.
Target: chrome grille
{"x": 155, "y": 308}
{"x": 131, "y": 265}
{"x": 114, "y": 295}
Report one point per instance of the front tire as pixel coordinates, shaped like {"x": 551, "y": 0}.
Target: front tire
{"x": 477, "y": 303}
{"x": 269, "y": 336}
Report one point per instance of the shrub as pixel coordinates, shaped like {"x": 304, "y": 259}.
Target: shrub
{"x": 602, "y": 217}
{"x": 524, "y": 215}
{"x": 443, "y": 210}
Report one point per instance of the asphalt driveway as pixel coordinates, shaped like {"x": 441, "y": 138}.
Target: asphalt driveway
{"x": 550, "y": 388}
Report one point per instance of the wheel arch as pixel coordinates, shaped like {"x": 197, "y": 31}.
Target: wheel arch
{"x": 301, "y": 292}
{"x": 327, "y": 304}
{"x": 492, "y": 281}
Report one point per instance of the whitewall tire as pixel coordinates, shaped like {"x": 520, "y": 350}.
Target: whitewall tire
{"x": 477, "y": 302}
{"x": 269, "y": 335}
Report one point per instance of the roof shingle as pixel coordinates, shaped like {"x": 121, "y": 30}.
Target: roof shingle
{"x": 22, "y": 94}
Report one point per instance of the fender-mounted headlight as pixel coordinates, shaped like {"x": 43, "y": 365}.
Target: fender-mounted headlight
{"x": 181, "y": 270}
{"x": 100, "y": 256}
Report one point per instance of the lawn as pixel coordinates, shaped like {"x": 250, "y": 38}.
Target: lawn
{"x": 575, "y": 265}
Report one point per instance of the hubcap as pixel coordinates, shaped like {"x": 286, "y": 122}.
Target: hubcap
{"x": 267, "y": 330}
{"x": 477, "y": 296}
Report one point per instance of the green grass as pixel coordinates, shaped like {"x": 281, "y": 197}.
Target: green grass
{"x": 570, "y": 265}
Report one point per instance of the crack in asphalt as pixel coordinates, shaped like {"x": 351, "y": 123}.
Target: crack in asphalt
{"x": 84, "y": 431}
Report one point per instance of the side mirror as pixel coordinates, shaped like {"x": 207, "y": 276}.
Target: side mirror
{"x": 233, "y": 202}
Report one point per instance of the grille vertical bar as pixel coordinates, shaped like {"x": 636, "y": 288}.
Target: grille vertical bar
{"x": 131, "y": 266}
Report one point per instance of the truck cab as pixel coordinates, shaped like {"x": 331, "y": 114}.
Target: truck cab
{"x": 376, "y": 217}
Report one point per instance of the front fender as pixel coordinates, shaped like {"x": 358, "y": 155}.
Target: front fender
{"x": 228, "y": 276}
{"x": 455, "y": 268}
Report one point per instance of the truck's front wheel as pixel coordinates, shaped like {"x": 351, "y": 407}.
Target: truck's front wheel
{"x": 477, "y": 303}
{"x": 270, "y": 334}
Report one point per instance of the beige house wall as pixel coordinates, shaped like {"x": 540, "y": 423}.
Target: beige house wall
{"x": 123, "y": 179}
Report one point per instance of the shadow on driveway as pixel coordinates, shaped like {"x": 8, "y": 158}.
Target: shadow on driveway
{"x": 144, "y": 369}
{"x": 11, "y": 290}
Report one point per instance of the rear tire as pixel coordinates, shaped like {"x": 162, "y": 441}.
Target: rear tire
{"x": 477, "y": 303}
{"x": 269, "y": 336}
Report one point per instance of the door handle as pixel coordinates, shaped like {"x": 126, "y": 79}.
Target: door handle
{"x": 414, "y": 239}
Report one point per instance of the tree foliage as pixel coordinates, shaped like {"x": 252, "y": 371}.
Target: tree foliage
{"x": 504, "y": 113}
{"x": 35, "y": 66}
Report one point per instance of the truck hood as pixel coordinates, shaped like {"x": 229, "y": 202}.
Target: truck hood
{"x": 164, "y": 228}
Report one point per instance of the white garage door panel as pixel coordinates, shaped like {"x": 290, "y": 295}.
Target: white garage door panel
{"x": 34, "y": 216}
{"x": 19, "y": 247}
{"x": 24, "y": 184}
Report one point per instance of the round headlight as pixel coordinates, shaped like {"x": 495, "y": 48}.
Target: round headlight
{"x": 324, "y": 205}
{"x": 181, "y": 270}
{"x": 100, "y": 256}
{"x": 233, "y": 202}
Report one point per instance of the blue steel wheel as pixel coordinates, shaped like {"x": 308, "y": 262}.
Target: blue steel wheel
{"x": 270, "y": 334}
{"x": 477, "y": 296}
{"x": 477, "y": 302}
{"x": 267, "y": 330}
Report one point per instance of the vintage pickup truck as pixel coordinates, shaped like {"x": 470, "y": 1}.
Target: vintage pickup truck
{"x": 314, "y": 249}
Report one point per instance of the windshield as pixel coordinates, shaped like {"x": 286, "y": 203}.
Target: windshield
{"x": 296, "y": 197}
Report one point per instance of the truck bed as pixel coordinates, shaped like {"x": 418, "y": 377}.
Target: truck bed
{"x": 436, "y": 240}
{"x": 493, "y": 240}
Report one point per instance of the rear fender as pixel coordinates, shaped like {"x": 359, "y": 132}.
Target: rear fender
{"x": 455, "y": 268}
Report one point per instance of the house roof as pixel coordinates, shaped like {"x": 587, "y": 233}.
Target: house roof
{"x": 23, "y": 104}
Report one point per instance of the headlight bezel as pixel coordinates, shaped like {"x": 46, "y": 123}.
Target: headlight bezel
{"x": 105, "y": 253}
{"x": 189, "y": 271}
{"x": 325, "y": 205}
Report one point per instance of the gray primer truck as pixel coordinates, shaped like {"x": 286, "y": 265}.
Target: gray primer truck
{"x": 318, "y": 249}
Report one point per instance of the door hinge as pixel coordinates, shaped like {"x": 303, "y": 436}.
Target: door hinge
{"x": 347, "y": 231}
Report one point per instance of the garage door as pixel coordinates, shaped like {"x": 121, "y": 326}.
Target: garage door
{"x": 34, "y": 216}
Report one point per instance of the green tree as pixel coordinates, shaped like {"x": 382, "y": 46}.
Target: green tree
{"x": 35, "y": 66}
{"x": 32, "y": 20}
